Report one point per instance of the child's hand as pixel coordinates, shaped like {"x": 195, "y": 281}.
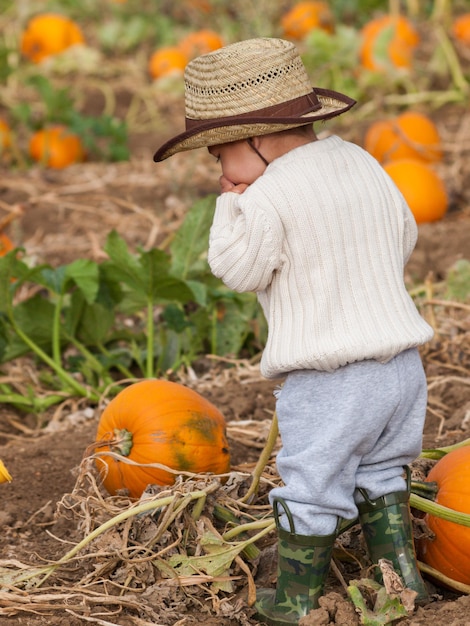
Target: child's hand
{"x": 227, "y": 185}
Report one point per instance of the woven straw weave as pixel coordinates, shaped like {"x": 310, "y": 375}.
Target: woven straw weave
{"x": 246, "y": 78}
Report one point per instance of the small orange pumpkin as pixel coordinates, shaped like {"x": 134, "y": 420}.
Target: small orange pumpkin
{"x": 461, "y": 29}
{"x": 167, "y": 61}
{"x": 449, "y": 551}
{"x": 5, "y": 136}
{"x": 56, "y": 147}
{"x": 304, "y": 17}
{"x": 158, "y": 421}
{"x": 388, "y": 42}
{"x": 6, "y": 244}
{"x": 409, "y": 135}
{"x": 200, "y": 42}
{"x": 49, "y": 34}
{"x": 422, "y": 188}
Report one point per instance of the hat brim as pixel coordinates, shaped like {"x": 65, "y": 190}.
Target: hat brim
{"x": 215, "y": 131}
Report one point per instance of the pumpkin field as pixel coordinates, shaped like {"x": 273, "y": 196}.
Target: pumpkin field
{"x": 108, "y": 309}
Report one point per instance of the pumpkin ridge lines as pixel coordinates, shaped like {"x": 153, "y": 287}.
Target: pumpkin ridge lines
{"x": 171, "y": 425}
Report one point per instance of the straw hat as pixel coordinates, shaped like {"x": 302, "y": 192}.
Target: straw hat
{"x": 249, "y": 88}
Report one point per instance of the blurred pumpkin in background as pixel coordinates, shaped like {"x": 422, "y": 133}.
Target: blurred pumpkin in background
{"x": 56, "y": 147}
{"x": 49, "y": 34}
{"x": 6, "y": 244}
{"x": 304, "y": 17}
{"x": 387, "y": 42}
{"x": 200, "y": 42}
{"x": 411, "y": 134}
{"x": 422, "y": 188}
{"x": 461, "y": 28}
{"x": 5, "y": 136}
{"x": 167, "y": 61}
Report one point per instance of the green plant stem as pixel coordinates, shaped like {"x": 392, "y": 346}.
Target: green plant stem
{"x": 427, "y": 506}
{"x": 64, "y": 376}
{"x": 163, "y": 343}
{"x": 119, "y": 366}
{"x": 438, "y": 453}
{"x": 33, "y": 404}
{"x": 423, "y": 289}
{"x": 449, "y": 582}
{"x": 214, "y": 331}
{"x": 250, "y": 550}
{"x": 434, "y": 98}
{"x": 198, "y": 508}
{"x": 121, "y": 517}
{"x": 441, "y": 11}
{"x": 150, "y": 340}
{"x": 243, "y": 528}
{"x": 91, "y": 359}
{"x": 225, "y": 515}
{"x": 263, "y": 459}
{"x": 453, "y": 62}
{"x": 266, "y": 527}
{"x": 56, "y": 352}
{"x": 426, "y": 490}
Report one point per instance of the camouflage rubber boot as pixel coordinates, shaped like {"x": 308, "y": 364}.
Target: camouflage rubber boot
{"x": 386, "y": 524}
{"x": 302, "y": 569}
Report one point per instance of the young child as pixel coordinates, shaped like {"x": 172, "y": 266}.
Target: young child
{"x": 320, "y": 232}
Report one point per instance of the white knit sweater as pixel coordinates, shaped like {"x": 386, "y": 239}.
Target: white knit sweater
{"x": 322, "y": 237}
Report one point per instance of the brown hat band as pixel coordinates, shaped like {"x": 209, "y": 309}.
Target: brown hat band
{"x": 292, "y": 108}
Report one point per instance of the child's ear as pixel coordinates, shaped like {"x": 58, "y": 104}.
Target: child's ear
{"x": 257, "y": 141}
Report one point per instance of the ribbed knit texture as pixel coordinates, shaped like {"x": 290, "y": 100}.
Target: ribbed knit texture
{"x": 322, "y": 237}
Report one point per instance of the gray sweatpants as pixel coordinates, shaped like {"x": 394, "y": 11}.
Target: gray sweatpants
{"x": 354, "y": 427}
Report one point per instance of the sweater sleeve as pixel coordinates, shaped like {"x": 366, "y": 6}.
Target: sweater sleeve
{"x": 410, "y": 234}
{"x": 244, "y": 245}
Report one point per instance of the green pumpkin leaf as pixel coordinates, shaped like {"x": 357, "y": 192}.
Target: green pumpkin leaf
{"x": 85, "y": 274}
{"x": 216, "y": 563}
{"x": 34, "y": 318}
{"x": 386, "y": 608}
{"x": 189, "y": 246}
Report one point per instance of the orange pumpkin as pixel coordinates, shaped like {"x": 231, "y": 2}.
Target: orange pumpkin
{"x": 158, "y": 421}
{"x": 409, "y": 135}
{"x": 6, "y": 244}
{"x": 49, "y": 34}
{"x": 200, "y": 42}
{"x": 461, "y": 29}
{"x": 449, "y": 551}
{"x": 422, "y": 188}
{"x": 56, "y": 147}
{"x": 304, "y": 17}
{"x": 167, "y": 61}
{"x": 388, "y": 42}
{"x": 5, "y": 136}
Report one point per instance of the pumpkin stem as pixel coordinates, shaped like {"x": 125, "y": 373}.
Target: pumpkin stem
{"x": 426, "y": 490}
{"x": 424, "y": 505}
{"x": 438, "y": 453}
{"x": 449, "y": 582}
{"x": 263, "y": 459}
{"x": 122, "y": 444}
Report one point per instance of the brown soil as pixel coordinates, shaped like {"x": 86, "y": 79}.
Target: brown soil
{"x": 66, "y": 215}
